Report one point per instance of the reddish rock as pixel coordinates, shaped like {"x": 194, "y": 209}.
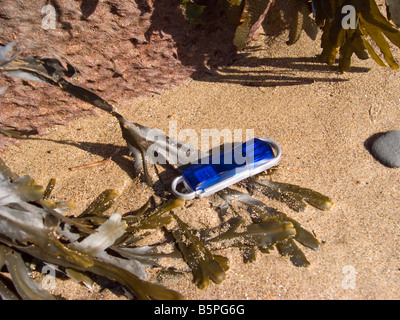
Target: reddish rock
{"x": 122, "y": 49}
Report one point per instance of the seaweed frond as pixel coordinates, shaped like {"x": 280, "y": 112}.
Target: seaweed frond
{"x": 205, "y": 265}
{"x": 253, "y": 11}
{"x": 154, "y": 218}
{"x": 262, "y": 234}
{"x": 25, "y": 286}
{"x": 369, "y": 23}
{"x": 260, "y": 213}
{"x": 294, "y": 196}
{"x": 101, "y": 204}
{"x": 29, "y": 225}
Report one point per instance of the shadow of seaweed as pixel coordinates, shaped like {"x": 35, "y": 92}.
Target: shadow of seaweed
{"x": 88, "y": 7}
{"x": 121, "y": 157}
{"x": 271, "y": 72}
{"x": 305, "y": 64}
{"x": 105, "y": 150}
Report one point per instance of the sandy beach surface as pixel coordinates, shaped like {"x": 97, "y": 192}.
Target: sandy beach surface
{"x": 322, "y": 121}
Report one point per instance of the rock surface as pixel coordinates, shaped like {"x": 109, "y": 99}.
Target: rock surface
{"x": 122, "y": 50}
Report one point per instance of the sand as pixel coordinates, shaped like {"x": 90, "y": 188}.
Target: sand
{"x": 320, "y": 118}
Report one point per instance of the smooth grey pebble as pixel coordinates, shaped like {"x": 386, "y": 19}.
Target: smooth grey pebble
{"x": 386, "y": 149}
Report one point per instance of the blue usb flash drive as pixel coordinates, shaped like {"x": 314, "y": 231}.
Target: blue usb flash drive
{"x": 228, "y": 168}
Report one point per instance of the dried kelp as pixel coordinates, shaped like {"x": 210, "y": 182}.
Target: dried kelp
{"x": 297, "y": 15}
{"x": 30, "y": 226}
{"x": 49, "y": 189}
